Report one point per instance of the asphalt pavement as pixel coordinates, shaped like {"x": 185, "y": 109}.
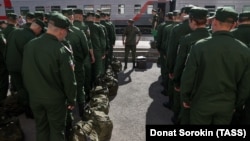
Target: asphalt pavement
{"x": 138, "y": 102}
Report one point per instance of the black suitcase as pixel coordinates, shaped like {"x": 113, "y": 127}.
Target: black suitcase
{"x": 141, "y": 62}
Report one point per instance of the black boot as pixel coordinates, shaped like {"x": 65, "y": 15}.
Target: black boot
{"x": 134, "y": 65}
{"x": 125, "y": 66}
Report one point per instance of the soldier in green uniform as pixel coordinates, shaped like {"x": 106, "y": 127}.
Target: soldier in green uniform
{"x": 242, "y": 31}
{"x": 104, "y": 40}
{"x": 241, "y": 116}
{"x": 112, "y": 37}
{"x": 48, "y": 74}
{"x": 39, "y": 15}
{"x": 197, "y": 22}
{"x": 78, "y": 22}
{"x": 14, "y": 54}
{"x": 166, "y": 36}
{"x": 95, "y": 33}
{"x": 155, "y": 23}
{"x": 11, "y": 25}
{"x": 30, "y": 17}
{"x": 216, "y": 77}
{"x": 160, "y": 47}
{"x": 178, "y": 32}
{"x": 130, "y": 41}
{"x": 78, "y": 41}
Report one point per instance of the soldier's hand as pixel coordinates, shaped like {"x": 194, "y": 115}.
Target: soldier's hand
{"x": 186, "y": 105}
{"x": 177, "y": 89}
{"x": 92, "y": 59}
{"x": 70, "y": 107}
{"x": 171, "y": 76}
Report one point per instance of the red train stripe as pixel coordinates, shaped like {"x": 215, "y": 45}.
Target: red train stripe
{"x": 143, "y": 9}
{"x": 7, "y": 4}
{"x": 3, "y": 17}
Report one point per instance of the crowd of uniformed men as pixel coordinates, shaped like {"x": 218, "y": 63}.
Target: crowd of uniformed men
{"x": 205, "y": 64}
{"x": 204, "y": 59}
{"x": 53, "y": 61}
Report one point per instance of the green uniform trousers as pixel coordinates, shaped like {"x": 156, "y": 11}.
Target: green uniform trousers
{"x": 98, "y": 65}
{"x": 129, "y": 48}
{"x": 4, "y": 79}
{"x": 88, "y": 79}
{"x": 50, "y": 119}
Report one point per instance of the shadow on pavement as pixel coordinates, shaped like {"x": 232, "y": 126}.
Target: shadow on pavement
{"x": 124, "y": 77}
{"x": 157, "y": 114}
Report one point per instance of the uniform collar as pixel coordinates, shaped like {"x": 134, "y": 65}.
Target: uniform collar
{"x": 225, "y": 33}
{"x": 50, "y": 36}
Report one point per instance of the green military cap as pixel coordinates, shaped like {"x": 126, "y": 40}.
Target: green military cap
{"x": 78, "y": 11}
{"x": 67, "y": 11}
{"x": 107, "y": 14}
{"x": 169, "y": 14}
{"x": 176, "y": 12}
{"x": 39, "y": 14}
{"x": 40, "y": 23}
{"x": 99, "y": 10}
{"x": 153, "y": 10}
{"x": 90, "y": 14}
{"x": 131, "y": 21}
{"x": 30, "y": 15}
{"x": 226, "y": 14}
{"x": 198, "y": 13}
{"x": 12, "y": 16}
{"x": 186, "y": 9}
{"x": 97, "y": 15}
{"x": 102, "y": 14}
{"x": 244, "y": 16}
{"x": 59, "y": 20}
{"x": 47, "y": 15}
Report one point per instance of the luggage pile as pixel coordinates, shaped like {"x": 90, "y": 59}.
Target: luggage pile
{"x": 96, "y": 124}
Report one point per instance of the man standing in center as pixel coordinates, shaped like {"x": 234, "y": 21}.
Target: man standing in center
{"x": 130, "y": 41}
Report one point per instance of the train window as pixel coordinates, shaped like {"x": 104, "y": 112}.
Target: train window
{"x": 150, "y": 8}
{"x": 246, "y": 8}
{"x": 88, "y": 8}
{"x": 121, "y": 9}
{"x": 106, "y": 8}
{"x": 39, "y": 8}
{"x": 9, "y": 10}
{"x": 137, "y": 8}
{"x": 210, "y": 7}
{"x": 56, "y": 8}
{"x": 72, "y": 6}
{"x": 24, "y": 10}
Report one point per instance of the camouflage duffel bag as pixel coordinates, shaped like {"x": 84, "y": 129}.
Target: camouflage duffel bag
{"x": 100, "y": 102}
{"x": 102, "y": 125}
{"x": 99, "y": 90}
{"x": 116, "y": 65}
{"x": 83, "y": 131}
{"x": 113, "y": 85}
{"x": 10, "y": 128}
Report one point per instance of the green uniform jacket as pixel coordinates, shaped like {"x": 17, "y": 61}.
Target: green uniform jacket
{"x": 48, "y": 70}
{"x": 95, "y": 33}
{"x": 8, "y": 30}
{"x": 104, "y": 38}
{"x": 242, "y": 33}
{"x": 185, "y": 46}
{"x": 178, "y": 32}
{"x": 217, "y": 73}
{"x": 130, "y": 33}
{"x": 79, "y": 45}
{"x": 14, "y": 54}
{"x": 160, "y": 33}
{"x": 110, "y": 32}
{"x": 166, "y": 36}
